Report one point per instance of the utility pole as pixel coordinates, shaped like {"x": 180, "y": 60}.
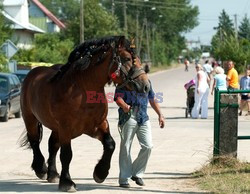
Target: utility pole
{"x": 236, "y": 26}
{"x": 147, "y": 36}
{"x": 137, "y": 32}
{"x": 153, "y": 44}
{"x": 113, "y": 7}
{"x": 81, "y": 21}
{"x": 125, "y": 18}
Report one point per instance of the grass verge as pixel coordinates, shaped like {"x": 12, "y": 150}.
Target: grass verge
{"x": 224, "y": 175}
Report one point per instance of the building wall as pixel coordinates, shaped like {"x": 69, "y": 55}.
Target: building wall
{"x": 24, "y": 39}
{"x": 39, "y": 19}
{"x": 19, "y": 12}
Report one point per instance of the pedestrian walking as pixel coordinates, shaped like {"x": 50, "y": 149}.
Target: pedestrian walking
{"x": 133, "y": 120}
{"x": 186, "y": 63}
{"x": 201, "y": 94}
{"x": 245, "y": 97}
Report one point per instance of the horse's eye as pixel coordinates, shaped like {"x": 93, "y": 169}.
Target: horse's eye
{"x": 126, "y": 59}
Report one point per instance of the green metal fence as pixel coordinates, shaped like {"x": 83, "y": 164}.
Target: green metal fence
{"x": 217, "y": 106}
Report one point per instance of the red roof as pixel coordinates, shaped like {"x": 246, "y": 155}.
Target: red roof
{"x": 49, "y": 14}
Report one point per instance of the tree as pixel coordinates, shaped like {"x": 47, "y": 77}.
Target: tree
{"x": 225, "y": 27}
{"x": 224, "y": 31}
{"x": 5, "y": 33}
{"x": 226, "y": 47}
{"x": 65, "y": 10}
{"x": 98, "y": 22}
{"x": 167, "y": 21}
{"x": 244, "y": 28}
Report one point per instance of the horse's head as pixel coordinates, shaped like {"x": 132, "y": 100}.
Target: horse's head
{"x": 129, "y": 71}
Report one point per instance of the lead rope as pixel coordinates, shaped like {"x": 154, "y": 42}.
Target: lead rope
{"x": 120, "y": 130}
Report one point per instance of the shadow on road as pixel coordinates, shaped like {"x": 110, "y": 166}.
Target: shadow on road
{"x": 34, "y": 185}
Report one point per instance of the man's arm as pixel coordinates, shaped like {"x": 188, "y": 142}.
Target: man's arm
{"x": 156, "y": 108}
{"x": 229, "y": 75}
{"x": 120, "y": 102}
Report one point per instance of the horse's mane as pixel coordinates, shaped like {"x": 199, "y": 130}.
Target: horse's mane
{"x": 80, "y": 57}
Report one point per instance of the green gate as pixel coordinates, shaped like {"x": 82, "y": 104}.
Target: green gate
{"x": 217, "y": 106}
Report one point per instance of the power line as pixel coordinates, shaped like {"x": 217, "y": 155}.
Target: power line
{"x": 158, "y": 2}
{"x": 150, "y": 6}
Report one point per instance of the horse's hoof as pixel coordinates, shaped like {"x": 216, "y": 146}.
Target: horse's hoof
{"x": 42, "y": 176}
{"x": 70, "y": 189}
{"x": 97, "y": 179}
{"x": 53, "y": 177}
{"x": 53, "y": 180}
{"x": 67, "y": 186}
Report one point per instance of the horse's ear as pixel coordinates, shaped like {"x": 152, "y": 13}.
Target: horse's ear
{"x": 121, "y": 42}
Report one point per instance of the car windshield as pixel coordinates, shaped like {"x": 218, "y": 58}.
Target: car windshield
{"x": 3, "y": 85}
{"x": 21, "y": 77}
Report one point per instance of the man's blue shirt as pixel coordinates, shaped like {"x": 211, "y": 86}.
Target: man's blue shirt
{"x": 138, "y": 103}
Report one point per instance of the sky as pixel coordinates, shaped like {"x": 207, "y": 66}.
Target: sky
{"x": 210, "y": 11}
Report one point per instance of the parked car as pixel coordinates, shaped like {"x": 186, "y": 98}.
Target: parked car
{"x": 21, "y": 74}
{"x": 10, "y": 88}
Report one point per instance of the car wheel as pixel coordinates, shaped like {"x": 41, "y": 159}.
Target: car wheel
{"x": 18, "y": 114}
{"x": 5, "y": 118}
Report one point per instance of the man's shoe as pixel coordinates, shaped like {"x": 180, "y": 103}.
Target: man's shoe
{"x": 138, "y": 180}
{"x": 125, "y": 185}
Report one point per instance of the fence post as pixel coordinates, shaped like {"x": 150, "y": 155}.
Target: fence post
{"x": 228, "y": 121}
{"x": 216, "y": 151}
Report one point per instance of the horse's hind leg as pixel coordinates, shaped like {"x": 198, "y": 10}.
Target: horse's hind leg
{"x": 102, "y": 168}
{"x": 54, "y": 145}
{"x": 34, "y": 136}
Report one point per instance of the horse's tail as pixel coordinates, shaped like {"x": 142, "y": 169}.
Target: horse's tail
{"x": 24, "y": 140}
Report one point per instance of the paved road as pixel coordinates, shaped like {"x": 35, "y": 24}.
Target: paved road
{"x": 179, "y": 149}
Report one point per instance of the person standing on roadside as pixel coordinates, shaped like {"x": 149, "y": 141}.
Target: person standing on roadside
{"x": 232, "y": 76}
{"x": 201, "y": 94}
{"x": 207, "y": 67}
{"x": 245, "y": 97}
{"x": 133, "y": 120}
{"x": 220, "y": 81}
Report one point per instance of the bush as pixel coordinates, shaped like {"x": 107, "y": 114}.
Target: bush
{"x": 48, "y": 48}
{"x": 3, "y": 63}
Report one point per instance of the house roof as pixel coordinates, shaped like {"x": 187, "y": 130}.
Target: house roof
{"x": 49, "y": 14}
{"x": 19, "y": 26}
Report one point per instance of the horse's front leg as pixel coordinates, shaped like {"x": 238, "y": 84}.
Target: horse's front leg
{"x": 65, "y": 183}
{"x": 102, "y": 168}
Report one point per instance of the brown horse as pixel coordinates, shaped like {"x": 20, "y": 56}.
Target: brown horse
{"x": 57, "y": 97}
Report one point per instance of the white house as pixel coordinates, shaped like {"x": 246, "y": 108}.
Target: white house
{"x": 29, "y": 17}
{"x": 16, "y": 11}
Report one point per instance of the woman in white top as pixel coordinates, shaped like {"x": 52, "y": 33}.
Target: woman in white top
{"x": 220, "y": 81}
{"x": 201, "y": 93}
